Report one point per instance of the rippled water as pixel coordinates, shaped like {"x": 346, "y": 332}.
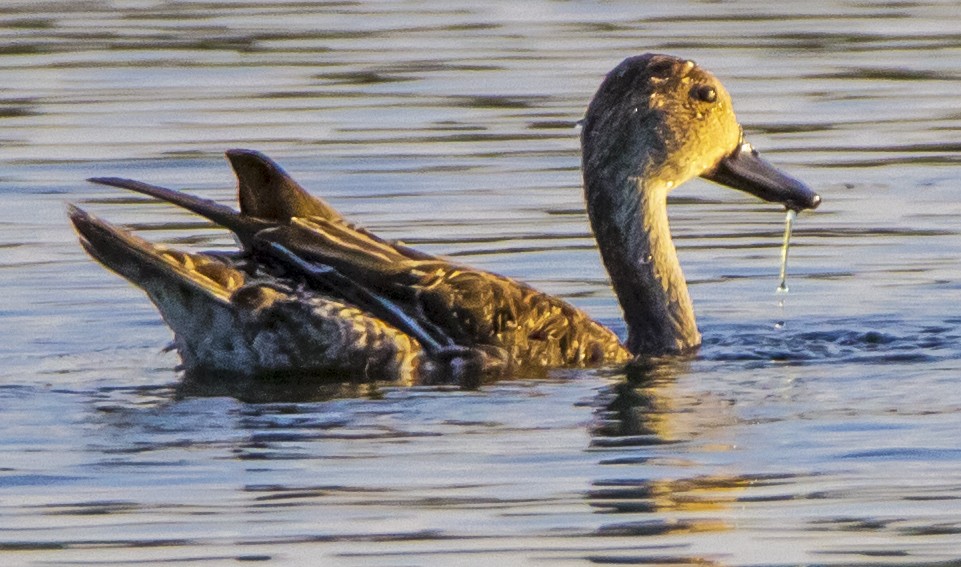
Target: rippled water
{"x": 818, "y": 428}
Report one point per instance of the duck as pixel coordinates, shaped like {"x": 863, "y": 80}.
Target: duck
{"x": 311, "y": 294}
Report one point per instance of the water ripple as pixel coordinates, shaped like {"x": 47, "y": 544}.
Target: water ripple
{"x": 819, "y": 430}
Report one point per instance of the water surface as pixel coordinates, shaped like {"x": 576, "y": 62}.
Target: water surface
{"x": 814, "y": 428}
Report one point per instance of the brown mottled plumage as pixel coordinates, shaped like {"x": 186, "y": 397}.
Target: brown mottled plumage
{"x": 313, "y": 294}
{"x": 419, "y": 318}
{"x": 227, "y": 321}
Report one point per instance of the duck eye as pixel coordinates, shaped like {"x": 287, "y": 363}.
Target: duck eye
{"x": 705, "y": 93}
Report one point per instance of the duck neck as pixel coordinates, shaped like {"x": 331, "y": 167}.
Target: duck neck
{"x": 631, "y": 226}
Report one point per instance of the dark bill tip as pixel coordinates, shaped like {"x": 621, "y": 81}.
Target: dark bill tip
{"x": 747, "y": 171}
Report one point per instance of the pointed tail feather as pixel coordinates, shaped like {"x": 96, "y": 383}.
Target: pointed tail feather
{"x": 150, "y": 266}
{"x": 243, "y": 227}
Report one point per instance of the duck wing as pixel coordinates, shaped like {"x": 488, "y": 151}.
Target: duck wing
{"x": 511, "y": 320}
{"x": 454, "y": 304}
{"x": 266, "y": 191}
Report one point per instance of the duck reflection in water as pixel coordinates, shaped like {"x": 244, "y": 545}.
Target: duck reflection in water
{"x": 645, "y": 494}
{"x": 315, "y": 297}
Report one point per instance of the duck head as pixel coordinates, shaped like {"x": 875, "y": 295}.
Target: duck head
{"x": 664, "y": 120}
{"x": 656, "y": 122}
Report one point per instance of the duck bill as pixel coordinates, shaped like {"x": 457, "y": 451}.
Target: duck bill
{"x": 746, "y": 170}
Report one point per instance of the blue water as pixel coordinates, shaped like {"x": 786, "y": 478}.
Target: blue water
{"x": 818, "y": 427}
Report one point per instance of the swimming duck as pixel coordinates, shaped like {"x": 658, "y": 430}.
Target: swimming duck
{"x": 313, "y": 294}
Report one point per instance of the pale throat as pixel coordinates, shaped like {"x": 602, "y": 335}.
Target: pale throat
{"x": 661, "y": 250}
{"x": 649, "y": 281}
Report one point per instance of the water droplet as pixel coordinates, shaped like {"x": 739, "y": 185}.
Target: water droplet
{"x": 788, "y": 226}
